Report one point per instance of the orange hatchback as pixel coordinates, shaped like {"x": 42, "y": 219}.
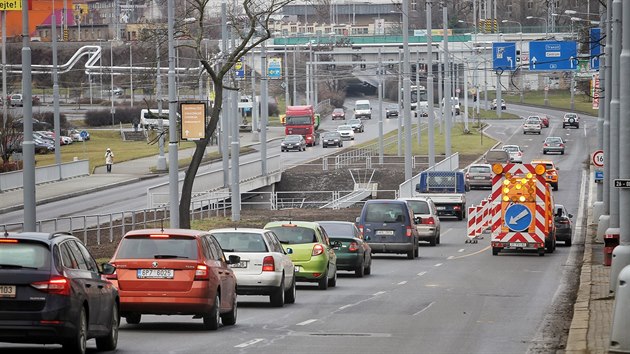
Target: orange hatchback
{"x": 551, "y": 173}
{"x": 175, "y": 272}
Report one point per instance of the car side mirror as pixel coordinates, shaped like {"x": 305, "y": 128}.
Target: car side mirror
{"x": 570, "y": 216}
{"x": 108, "y": 268}
{"x": 233, "y": 259}
{"x": 289, "y": 250}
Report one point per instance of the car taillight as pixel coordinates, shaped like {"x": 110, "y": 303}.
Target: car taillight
{"x": 54, "y": 285}
{"x": 457, "y": 208}
{"x": 561, "y": 145}
{"x": 467, "y": 176}
{"x": 408, "y": 232}
{"x": 545, "y": 144}
{"x": 317, "y": 250}
{"x": 268, "y": 264}
{"x": 353, "y": 247}
{"x": 201, "y": 272}
{"x": 428, "y": 221}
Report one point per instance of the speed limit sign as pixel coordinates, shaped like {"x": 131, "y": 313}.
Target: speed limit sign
{"x": 598, "y": 158}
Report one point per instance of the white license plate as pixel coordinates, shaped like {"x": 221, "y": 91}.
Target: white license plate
{"x": 518, "y": 244}
{"x": 479, "y": 177}
{"x": 155, "y": 273}
{"x": 242, "y": 264}
{"x": 384, "y": 232}
{"x": 7, "y": 290}
{"x": 440, "y": 207}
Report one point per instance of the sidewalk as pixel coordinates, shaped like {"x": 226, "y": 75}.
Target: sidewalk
{"x": 125, "y": 172}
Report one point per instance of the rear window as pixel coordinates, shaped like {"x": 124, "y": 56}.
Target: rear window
{"x": 240, "y": 242}
{"x": 419, "y": 206}
{"x": 384, "y": 212}
{"x": 24, "y": 254}
{"x": 339, "y": 230}
{"x": 480, "y": 169}
{"x": 294, "y": 234}
{"x": 158, "y": 248}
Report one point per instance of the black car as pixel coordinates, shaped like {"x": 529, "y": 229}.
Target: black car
{"x": 37, "y": 125}
{"x": 357, "y": 125}
{"x": 293, "y": 142}
{"x": 391, "y": 111}
{"x": 52, "y": 292}
{"x": 564, "y": 226}
{"x": 354, "y": 254}
{"x": 332, "y": 139}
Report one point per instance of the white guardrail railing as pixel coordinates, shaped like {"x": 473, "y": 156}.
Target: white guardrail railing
{"x": 45, "y": 174}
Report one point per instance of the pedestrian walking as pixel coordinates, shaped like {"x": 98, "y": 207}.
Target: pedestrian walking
{"x": 109, "y": 159}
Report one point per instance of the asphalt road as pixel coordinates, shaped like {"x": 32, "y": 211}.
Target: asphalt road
{"x": 455, "y": 298}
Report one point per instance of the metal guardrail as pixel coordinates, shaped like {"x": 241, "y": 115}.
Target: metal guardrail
{"x": 44, "y": 174}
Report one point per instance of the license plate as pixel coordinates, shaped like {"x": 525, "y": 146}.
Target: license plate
{"x": 384, "y": 232}
{"x": 155, "y": 273}
{"x": 440, "y": 207}
{"x": 479, "y": 177}
{"x": 518, "y": 244}
{"x": 7, "y": 290}
{"x": 242, "y": 264}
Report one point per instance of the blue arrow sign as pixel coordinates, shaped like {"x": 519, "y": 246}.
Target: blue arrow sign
{"x": 274, "y": 68}
{"x": 518, "y": 217}
{"x": 504, "y": 56}
{"x": 552, "y": 55}
{"x": 595, "y": 47}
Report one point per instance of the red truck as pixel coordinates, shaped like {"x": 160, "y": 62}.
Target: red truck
{"x": 302, "y": 120}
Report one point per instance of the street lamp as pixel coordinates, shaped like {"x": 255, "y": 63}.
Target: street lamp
{"x": 474, "y": 28}
{"x": 543, "y": 19}
{"x": 520, "y": 60}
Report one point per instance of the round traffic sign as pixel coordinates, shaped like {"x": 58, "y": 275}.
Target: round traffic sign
{"x": 598, "y": 158}
{"x": 517, "y": 217}
{"x": 457, "y": 90}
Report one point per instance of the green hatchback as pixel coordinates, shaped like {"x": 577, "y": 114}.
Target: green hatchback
{"x": 312, "y": 252}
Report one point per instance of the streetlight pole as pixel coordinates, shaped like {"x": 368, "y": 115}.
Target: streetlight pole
{"x": 172, "y": 122}
{"x": 131, "y": 70}
{"x": 430, "y": 108}
{"x": 28, "y": 146}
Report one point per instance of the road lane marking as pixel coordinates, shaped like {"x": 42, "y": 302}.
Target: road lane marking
{"x": 251, "y": 342}
{"x": 450, "y": 257}
{"x": 438, "y": 264}
{"x": 421, "y": 274}
{"x": 378, "y": 293}
{"x": 346, "y": 306}
{"x": 424, "y": 309}
{"x": 402, "y": 282}
{"x": 306, "y": 322}
{"x": 461, "y": 250}
{"x": 472, "y": 254}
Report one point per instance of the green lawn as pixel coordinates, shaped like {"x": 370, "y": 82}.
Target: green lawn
{"x": 560, "y": 99}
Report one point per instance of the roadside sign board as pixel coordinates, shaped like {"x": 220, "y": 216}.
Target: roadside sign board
{"x": 504, "y": 56}
{"x": 193, "y": 125}
{"x": 622, "y": 183}
{"x": 599, "y": 176}
{"x": 274, "y": 68}
{"x": 598, "y": 158}
{"x": 595, "y": 91}
{"x": 239, "y": 69}
{"x": 552, "y": 55}
{"x": 595, "y": 47}
{"x": 518, "y": 217}
{"x": 11, "y": 5}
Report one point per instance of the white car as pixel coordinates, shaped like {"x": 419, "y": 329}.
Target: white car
{"x": 265, "y": 268}
{"x": 346, "y": 131}
{"x": 516, "y": 154}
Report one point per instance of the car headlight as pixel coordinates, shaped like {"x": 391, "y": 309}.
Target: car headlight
{"x": 283, "y": 144}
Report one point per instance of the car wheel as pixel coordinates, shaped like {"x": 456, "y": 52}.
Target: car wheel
{"x": 541, "y": 252}
{"x": 495, "y": 251}
{"x": 577, "y": 126}
{"x": 368, "y": 269}
{"x": 359, "y": 272}
{"x": 211, "y": 319}
{"x": 322, "y": 284}
{"x": 229, "y": 319}
{"x": 333, "y": 281}
{"x": 110, "y": 341}
{"x": 433, "y": 241}
{"x": 411, "y": 254}
{"x": 133, "y": 318}
{"x": 437, "y": 239}
{"x": 277, "y": 297}
{"x": 568, "y": 242}
{"x": 78, "y": 343}
{"x": 549, "y": 246}
{"x": 290, "y": 295}
{"x": 544, "y": 152}
{"x": 416, "y": 251}
{"x": 555, "y": 186}
{"x": 562, "y": 152}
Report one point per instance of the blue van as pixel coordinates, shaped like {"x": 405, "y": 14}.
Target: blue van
{"x": 389, "y": 226}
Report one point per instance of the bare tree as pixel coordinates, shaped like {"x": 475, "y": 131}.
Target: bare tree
{"x": 251, "y": 26}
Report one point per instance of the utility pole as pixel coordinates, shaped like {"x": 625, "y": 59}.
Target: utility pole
{"x": 401, "y": 102}
{"x": 224, "y": 134}
{"x": 255, "y": 125}
{"x": 430, "y": 110}
{"x": 418, "y": 115}
{"x": 448, "y": 106}
{"x": 5, "y": 104}
{"x": 173, "y": 159}
{"x": 407, "y": 94}
{"x": 381, "y": 146}
{"x": 28, "y": 145}
{"x": 56, "y": 119}
{"x": 264, "y": 116}
{"x": 161, "y": 161}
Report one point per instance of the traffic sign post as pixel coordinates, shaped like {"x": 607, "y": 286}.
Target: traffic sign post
{"x": 598, "y": 158}
{"x": 504, "y": 56}
{"x": 552, "y": 55}
{"x": 622, "y": 183}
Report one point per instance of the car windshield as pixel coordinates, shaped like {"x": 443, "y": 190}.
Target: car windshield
{"x": 533, "y": 121}
{"x": 419, "y": 206}
{"x": 344, "y": 127}
{"x": 24, "y": 254}
{"x": 294, "y": 234}
{"x": 164, "y": 246}
{"x": 392, "y": 108}
{"x": 511, "y": 148}
{"x": 293, "y": 138}
{"x": 354, "y": 121}
{"x": 363, "y": 106}
{"x": 570, "y": 116}
{"x": 480, "y": 169}
{"x": 240, "y": 241}
{"x": 331, "y": 135}
{"x": 553, "y": 140}
{"x": 338, "y": 111}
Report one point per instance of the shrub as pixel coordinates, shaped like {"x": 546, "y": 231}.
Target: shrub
{"x": 273, "y": 109}
{"x": 49, "y": 117}
{"x": 104, "y": 117}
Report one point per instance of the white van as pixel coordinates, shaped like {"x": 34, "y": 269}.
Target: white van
{"x": 362, "y": 109}
{"x": 454, "y": 105}
{"x": 150, "y": 121}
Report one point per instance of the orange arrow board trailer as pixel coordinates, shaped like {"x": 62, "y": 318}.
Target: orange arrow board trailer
{"x": 522, "y": 209}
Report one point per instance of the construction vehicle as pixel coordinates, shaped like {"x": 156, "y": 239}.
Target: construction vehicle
{"x": 302, "y": 120}
{"x": 447, "y": 190}
{"x": 522, "y": 209}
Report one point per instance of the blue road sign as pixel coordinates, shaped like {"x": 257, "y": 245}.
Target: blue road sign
{"x": 504, "y": 56}
{"x": 518, "y": 217}
{"x": 552, "y": 55}
{"x": 599, "y": 176}
{"x": 83, "y": 134}
{"x": 239, "y": 69}
{"x": 274, "y": 68}
{"x": 595, "y": 47}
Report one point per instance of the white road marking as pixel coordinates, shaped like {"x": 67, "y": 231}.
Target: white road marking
{"x": 402, "y": 282}
{"x": 379, "y": 293}
{"x": 461, "y": 250}
{"x": 438, "y": 264}
{"x": 247, "y": 344}
{"x": 346, "y": 306}
{"x": 421, "y": 274}
{"x": 450, "y": 257}
{"x": 306, "y": 322}
{"x": 424, "y": 309}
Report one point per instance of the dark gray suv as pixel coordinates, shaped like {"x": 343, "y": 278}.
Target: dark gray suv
{"x": 52, "y": 292}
